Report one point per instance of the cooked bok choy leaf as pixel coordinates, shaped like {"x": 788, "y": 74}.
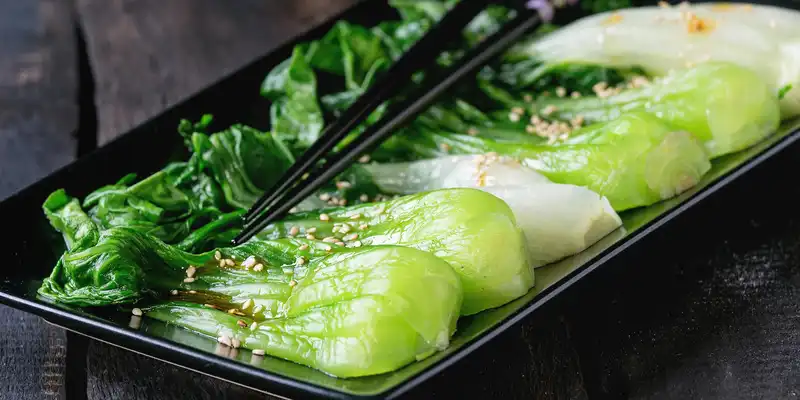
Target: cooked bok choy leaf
{"x": 351, "y": 312}
{"x": 762, "y": 38}
{"x": 635, "y": 160}
{"x": 726, "y": 106}
{"x": 474, "y": 231}
{"x": 558, "y": 220}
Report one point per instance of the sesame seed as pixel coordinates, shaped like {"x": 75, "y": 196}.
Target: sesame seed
{"x": 513, "y": 117}
{"x": 327, "y": 248}
{"x": 292, "y": 210}
{"x": 324, "y": 217}
{"x": 300, "y": 261}
{"x": 472, "y": 132}
{"x": 258, "y": 308}
{"x": 230, "y": 262}
{"x": 258, "y": 352}
{"x": 224, "y": 339}
{"x": 137, "y": 312}
{"x": 303, "y": 247}
{"x": 339, "y": 243}
{"x": 530, "y": 129}
{"x": 188, "y": 280}
{"x": 249, "y": 262}
{"x": 211, "y": 306}
{"x": 254, "y": 326}
{"x": 217, "y": 255}
{"x": 173, "y": 292}
{"x": 293, "y": 231}
{"x": 357, "y": 243}
{"x": 549, "y": 110}
{"x": 364, "y": 159}
{"x": 344, "y": 228}
{"x": 528, "y": 98}
{"x": 561, "y": 92}
{"x": 329, "y": 239}
{"x": 517, "y": 110}
{"x": 311, "y": 230}
{"x": 575, "y": 95}
{"x": 241, "y": 323}
{"x": 247, "y": 304}
{"x": 258, "y": 267}
{"x": 355, "y": 216}
{"x": 342, "y": 202}
{"x": 236, "y": 343}
{"x": 446, "y": 147}
{"x": 352, "y": 236}
{"x": 343, "y": 185}
{"x": 325, "y": 197}
{"x": 311, "y": 237}
{"x": 363, "y": 227}
{"x": 363, "y": 197}
{"x": 192, "y": 291}
{"x": 293, "y": 283}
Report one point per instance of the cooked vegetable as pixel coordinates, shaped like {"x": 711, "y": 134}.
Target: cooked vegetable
{"x": 474, "y": 231}
{"x": 356, "y": 312}
{"x": 558, "y": 220}
{"x": 351, "y": 312}
{"x": 634, "y": 160}
{"x": 762, "y": 38}
{"x": 728, "y": 107}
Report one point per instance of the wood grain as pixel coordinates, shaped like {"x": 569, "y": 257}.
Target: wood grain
{"x": 149, "y": 54}
{"x": 38, "y": 115}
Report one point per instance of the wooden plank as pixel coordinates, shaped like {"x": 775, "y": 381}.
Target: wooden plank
{"x": 149, "y": 54}
{"x": 38, "y": 114}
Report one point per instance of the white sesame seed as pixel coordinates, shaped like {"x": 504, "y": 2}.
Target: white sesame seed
{"x": 357, "y": 243}
{"x": 363, "y": 227}
{"x": 342, "y": 202}
{"x": 258, "y": 352}
{"x": 190, "y": 271}
{"x": 355, "y": 216}
{"x": 137, "y": 312}
{"x": 257, "y": 309}
{"x": 549, "y": 110}
{"x": 247, "y": 304}
{"x": 188, "y": 280}
{"x": 343, "y": 185}
{"x": 293, "y": 283}
{"x": 328, "y": 248}
{"x": 364, "y": 159}
{"x": 211, "y": 306}
{"x": 518, "y": 110}
{"x": 224, "y": 339}
{"x": 230, "y": 262}
{"x": 528, "y": 98}
{"x": 513, "y": 117}
{"x": 325, "y": 197}
{"x": 254, "y": 326}
{"x": 217, "y": 255}
{"x": 303, "y": 247}
{"x": 352, "y": 236}
{"x": 329, "y": 239}
{"x": 345, "y": 228}
{"x": 575, "y": 95}
{"x": 293, "y": 231}
{"x": 472, "y": 132}
{"x": 300, "y": 261}
{"x": 561, "y": 92}
{"x": 258, "y": 267}
{"x": 292, "y": 210}
{"x": 311, "y": 230}
{"x": 241, "y": 323}
{"x": 339, "y": 243}
{"x": 236, "y": 343}
{"x": 363, "y": 198}
{"x": 192, "y": 291}
{"x": 311, "y": 237}
{"x": 249, "y": 262}
{"x": 324, "y": 217}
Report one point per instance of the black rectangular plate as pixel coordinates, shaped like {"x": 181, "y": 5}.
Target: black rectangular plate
{"x": 35, "y": 246}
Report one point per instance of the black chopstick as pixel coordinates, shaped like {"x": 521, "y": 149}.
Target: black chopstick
{"x": 434, "y": 86}
{"x": 423, "y": 53}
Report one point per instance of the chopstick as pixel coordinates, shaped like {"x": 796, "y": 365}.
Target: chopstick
{"x": 434, "y": 85}
{"x": 421, "y": 54}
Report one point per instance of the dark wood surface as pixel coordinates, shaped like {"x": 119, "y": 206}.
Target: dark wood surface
{"x": 717, "y": 317}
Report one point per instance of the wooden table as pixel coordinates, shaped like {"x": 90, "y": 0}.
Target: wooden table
{"x": 718, "y": 319}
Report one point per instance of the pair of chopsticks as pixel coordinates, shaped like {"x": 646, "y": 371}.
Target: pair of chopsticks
{"x": 316, "y": 167}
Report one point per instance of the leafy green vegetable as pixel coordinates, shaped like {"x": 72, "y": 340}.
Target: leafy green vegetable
{"x": 474, "y": 231}
{"x": 726, "y": 106}
{"x": 634, "y": 160}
